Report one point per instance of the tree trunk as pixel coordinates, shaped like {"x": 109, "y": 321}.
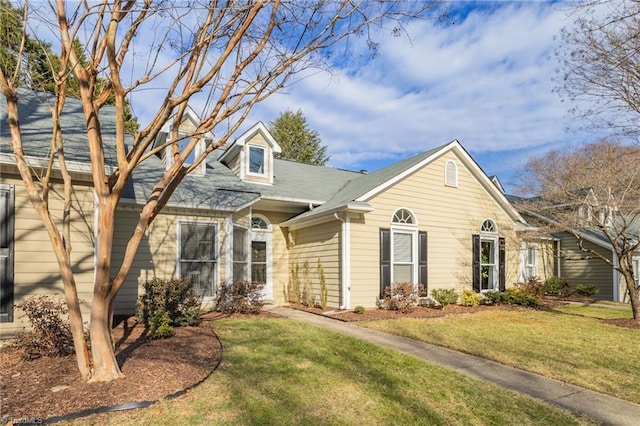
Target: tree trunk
{"x": 105, "y": 366}
{"x": 634, "y": 294}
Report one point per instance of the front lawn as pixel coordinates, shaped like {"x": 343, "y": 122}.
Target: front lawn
{"x": 571, "y": 344}
{"x": 280, "y": 371}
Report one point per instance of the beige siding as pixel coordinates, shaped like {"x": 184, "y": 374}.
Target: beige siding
{"x": 579, "y": 267}
{"x": 450, "y": 215}
{"x": 35, "y": 267}
{"x": 158, "y": 252}
{"x": 319, "y": 243}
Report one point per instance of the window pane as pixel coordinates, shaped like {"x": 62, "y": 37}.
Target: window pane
{"x": 402, "y": 248}
{"x": 256, "y": 160}
{"x": 259, "y": 273}
{"x": 239, "y": 245}
{"x": 197, "y": 241}
{"x": 258, "y": 251}
{"x": 402, "y": 273}
{"x": 201, "y": 275}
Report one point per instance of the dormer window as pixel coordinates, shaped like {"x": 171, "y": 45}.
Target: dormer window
{"x": 195, "y": 153}
{"x": 257, "y": 160}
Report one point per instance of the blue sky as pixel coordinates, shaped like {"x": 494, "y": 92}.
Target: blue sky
{"x": 482, "y": 76}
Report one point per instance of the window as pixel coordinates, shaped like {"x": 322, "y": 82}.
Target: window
{"x": 530, "y": 267}
{"x": 451, "y": 174}
{"x": 489, "y": 226}
{"x": 488, "y": 263}
{"x": 403, "y": 257}
{"x": 256, "y": 160}
{"x": 635, "y": 262}
{"x": 198, "y": 255}
{"x": 195, "y": 153}
{"x": 259, "y": 261}
{"x": 240, "y": 261}
{"x": 258, "y": 223}
{"x": 7, "y": 207}
{"x": 403, "y": 216}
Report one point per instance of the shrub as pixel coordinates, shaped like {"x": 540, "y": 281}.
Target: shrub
{"x": 444, "y": 296}
{"x": 324, "y": 292}
{"x": 359, "y": 310}
{"x": 175, "y": 297}
{"x": 293, "y": 286}
{"x": 50, "y": 333}
{"x": 533, "y": 287}
{"x": 556, "y": 286}
{"x": 513, "y": 296}
{"x": 160, "y": 325}
{"x": 402, "y": 297}
{"x": 587, "y": 290}
{"x": 243, "y": 297}
{"x": 307, "y": 295}
{"x": 469, "y": 298}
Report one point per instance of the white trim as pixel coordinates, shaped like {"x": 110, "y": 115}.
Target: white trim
{"x": 407, "y": 230}
{"x": 265, "y": 164}
{"x": 414, "y": 218}
{"x": 345, "y": 260}
{"x": 228, "y": 269}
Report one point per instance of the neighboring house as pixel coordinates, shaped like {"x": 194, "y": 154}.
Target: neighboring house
{"x": 435, "y": 219}
{"x": 563, "y": 257}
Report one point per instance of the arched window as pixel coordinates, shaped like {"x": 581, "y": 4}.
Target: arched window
{"x": 489, "y": 226}
{"x": 403, "y": 217}
{"x": 259, "y": 223}
{"x": 451, "y": 174}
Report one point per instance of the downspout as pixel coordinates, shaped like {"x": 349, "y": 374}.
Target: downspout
{"x": 345, "y": 267}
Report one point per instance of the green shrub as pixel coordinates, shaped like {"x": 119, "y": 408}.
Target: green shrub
{"x": 469, "y": 298}
{"x": 160, "y": 325}
{"x": 556, "y": 286}
{"x": 587, "y": 290}
{"x": 401, "y": 297}
{"x": 359, "y": 310}
{"x": 175, "y": 297}
{"x": 444, "y": 296}
{"x": 512, "y": 296}
{"x": 50, "y": 333}
{"x": 243, "y": 297}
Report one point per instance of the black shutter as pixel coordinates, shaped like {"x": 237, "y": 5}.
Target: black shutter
{"x": 385, "y": 260}
{"x": 501, "y": 259}
{"x": 422, "y": 258}
{"x": 7, "y": 234}
{"x": 476, "y": 262}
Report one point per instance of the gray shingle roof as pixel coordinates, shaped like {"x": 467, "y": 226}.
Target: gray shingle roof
{"x": 218, "y": 189}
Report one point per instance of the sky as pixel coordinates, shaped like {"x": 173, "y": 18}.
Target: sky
{"x": 483, "y": 75}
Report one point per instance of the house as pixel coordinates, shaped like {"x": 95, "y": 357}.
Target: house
{"x": 435, "y": 218}
{"x": 560, "y": 254}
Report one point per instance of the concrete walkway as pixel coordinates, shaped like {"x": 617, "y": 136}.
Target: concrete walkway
{"x": 597, "y": 406}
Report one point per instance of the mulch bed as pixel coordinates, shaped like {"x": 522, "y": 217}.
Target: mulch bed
{"x": 46, "y": 387}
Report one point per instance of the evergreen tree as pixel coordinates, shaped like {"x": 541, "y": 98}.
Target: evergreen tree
{"x": 39, "y": 63}
{"x": 298, "y": 142}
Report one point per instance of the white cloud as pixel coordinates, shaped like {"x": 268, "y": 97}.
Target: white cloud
{"x": 485, "y": 80}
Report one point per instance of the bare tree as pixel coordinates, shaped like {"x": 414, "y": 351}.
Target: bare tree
{"x": 601, "y": 64}
{"x": 591, "y": 190}
{"x": 233, "y": 54}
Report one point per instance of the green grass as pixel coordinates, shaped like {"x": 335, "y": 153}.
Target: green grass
{"x": 571, "y": 345}
{"x": 283, "y": 372}
{"x": 596, "y": 311}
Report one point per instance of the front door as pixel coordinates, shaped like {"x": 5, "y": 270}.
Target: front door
{"x": 261, "y": 263}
